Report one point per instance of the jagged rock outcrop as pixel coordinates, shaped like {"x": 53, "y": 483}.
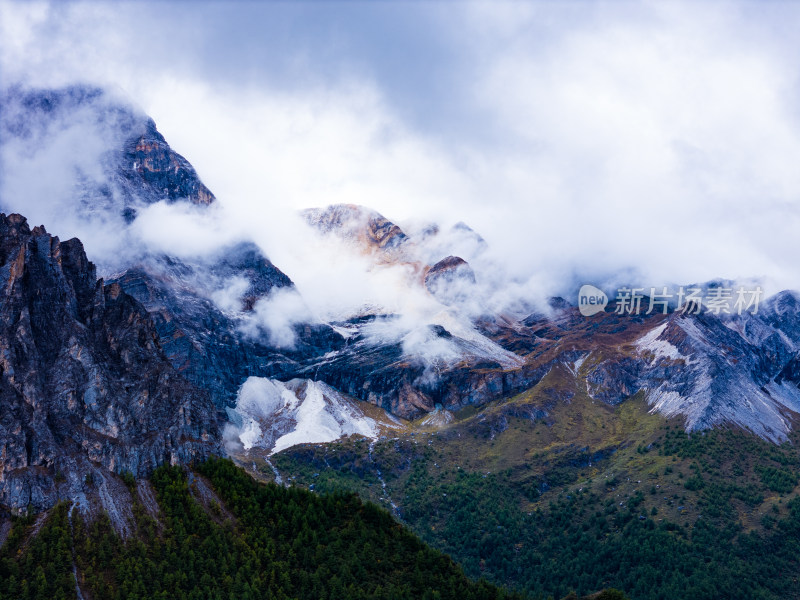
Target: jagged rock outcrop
{"x": 83, "y": 380}
{"x": 137, "y": 166}
{"x": 154, "y": 164}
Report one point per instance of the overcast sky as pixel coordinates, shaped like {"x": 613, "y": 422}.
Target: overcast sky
{"x": 581, "y": 139}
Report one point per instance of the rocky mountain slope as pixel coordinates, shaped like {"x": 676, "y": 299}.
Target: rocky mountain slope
{"x": 707, "y": 369}
{"x": 84, "y": 382}
{"x": 364, "y": 228}
{"x": 216, "y": 343}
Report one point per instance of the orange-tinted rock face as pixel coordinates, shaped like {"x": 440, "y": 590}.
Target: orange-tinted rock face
{"x": 158, "y": 165}
{"x": 366, "y": 228}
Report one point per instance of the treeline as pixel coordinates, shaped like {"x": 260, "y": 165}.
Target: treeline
{"x": 38, "y": 567}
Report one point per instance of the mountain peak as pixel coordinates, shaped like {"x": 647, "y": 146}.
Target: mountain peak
{"x": 118, "y": 161}
{"x": 361, "y": 225}
{"x": 148, "y": 157}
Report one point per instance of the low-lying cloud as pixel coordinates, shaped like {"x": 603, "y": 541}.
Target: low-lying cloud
{"x": 276, "y": 316}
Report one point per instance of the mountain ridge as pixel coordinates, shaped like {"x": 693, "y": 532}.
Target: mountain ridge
{"x": 710, "y": 370}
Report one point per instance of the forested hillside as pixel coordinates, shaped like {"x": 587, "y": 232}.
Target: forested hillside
{"x": 262, "y": 542}
{"x": 591, "y": 497}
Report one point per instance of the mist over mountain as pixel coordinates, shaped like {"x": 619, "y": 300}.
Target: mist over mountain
{"x": 416, "y": 327}
{"x": 560, "y": 165}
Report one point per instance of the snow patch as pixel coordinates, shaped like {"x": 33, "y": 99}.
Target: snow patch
{"x": 437, "y": 418}
{"x": 574, "y": 367}
{"x": 345, "y": 332}
{"x": 275, "y": 415}
{"x": 659, "y": 348}
{"x": 320, "y": 419}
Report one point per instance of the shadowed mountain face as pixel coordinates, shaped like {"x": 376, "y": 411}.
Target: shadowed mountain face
{"x": 84, "y": 382}
{"x": 217, "y": 349}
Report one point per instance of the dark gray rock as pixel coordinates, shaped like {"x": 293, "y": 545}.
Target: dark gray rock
{"x": 83, "y": 379}
{"x": 215, "y": 349}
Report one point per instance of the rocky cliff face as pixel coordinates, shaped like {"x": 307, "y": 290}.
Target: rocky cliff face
{"x": 711, "y": 370}
{"x": 83, "y": 380}
{"x": 723, "y": 370}
{"x": 149, "y": 162}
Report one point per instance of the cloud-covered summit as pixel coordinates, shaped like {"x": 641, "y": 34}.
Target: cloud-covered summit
{"x": 582, "y": 140}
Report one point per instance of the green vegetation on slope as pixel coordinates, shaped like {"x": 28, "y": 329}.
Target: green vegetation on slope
{"x": 38, "y": 567}
{"x": 547, "y": 496}
{"x": 263, "y": 542}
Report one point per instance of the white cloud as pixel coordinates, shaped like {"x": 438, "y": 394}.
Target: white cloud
{"x": 184, "y": 230}
{"x": 228, "y": 298}
{"x": 276, "y": 315}
{"x": 666, "y": 142}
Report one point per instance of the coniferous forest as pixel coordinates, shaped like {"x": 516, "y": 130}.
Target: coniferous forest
{"x": 266, "y": 542}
